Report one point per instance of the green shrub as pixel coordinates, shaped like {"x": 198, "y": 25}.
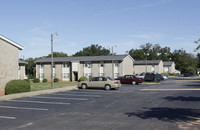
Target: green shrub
{"x": 27, "y": 80}
{"x": 17, "y": 86}
{"x": 83, "y": 79}
{"x": 56, "y": 80}
{"x": 44, "y": 80}
{"x": 165, "y": 74}
{"x": 36, "y": 80}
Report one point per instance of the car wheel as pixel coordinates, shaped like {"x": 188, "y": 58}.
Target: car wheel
{"x": 133, "y": 82}
{"x": 83, "y": 86}
{"x": 107, "y": 87}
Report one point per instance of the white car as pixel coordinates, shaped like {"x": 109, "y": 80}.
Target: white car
{"x": 163, "y": 77}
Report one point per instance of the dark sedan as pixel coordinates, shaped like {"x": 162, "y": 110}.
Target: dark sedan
{"x": 130, "y": 79}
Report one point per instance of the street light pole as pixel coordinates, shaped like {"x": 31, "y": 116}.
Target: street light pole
{"x": 113, "y": 75}
{"x": 146, "y": 61}
{"x": 52, "y": 59}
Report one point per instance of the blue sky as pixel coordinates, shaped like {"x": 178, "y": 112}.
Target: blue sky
{"x": 125, "y": 24}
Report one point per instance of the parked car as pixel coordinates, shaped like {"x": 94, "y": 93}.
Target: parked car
{"x": 163, "y": 77}
{"x": 130, "y": 79}
{"x": 152, "y": 77}
{"x": 141, "y": 75}
{"x": 100, "y": 82}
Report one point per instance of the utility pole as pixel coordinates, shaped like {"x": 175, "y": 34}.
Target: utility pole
{"x": 52, "y": 58}
{"x": 113, "y": 74}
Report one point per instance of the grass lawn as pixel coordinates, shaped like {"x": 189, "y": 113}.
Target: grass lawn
{"x": 47, "y": 85}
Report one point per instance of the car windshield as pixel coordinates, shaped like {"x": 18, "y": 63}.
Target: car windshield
{"x": 110, "y": 78}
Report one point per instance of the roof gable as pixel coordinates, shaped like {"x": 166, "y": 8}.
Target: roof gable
{"x": 11, "y": 42}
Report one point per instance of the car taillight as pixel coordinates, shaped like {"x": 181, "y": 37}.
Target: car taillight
{"x": 116, "y": 82}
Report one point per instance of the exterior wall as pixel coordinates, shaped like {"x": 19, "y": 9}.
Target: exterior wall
{"x": 172, "y": 68}
{"x": 8, "y": 64}
{"x": 80, "y": 68}
{"x": 95, "y": 69}
{"x": 127, "y": 66}
{"x": 47, "y": 71}
{"x": 58, "y": 70}
{"x": 21, "y": 71}
{"x": 142, "y": 68}
{"x": 108, "y": 68}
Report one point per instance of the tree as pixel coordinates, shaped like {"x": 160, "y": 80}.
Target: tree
{"x": 155, "y": 52}
{"x": 197, "y": 42}
{"x": 31, "y": 68}
{"x": 58, "y": 54}
{"x": 93, "y": 50}
{"x": 185, "y": 62}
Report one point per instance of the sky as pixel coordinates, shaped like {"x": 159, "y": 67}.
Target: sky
{"x": 123, "y": 24}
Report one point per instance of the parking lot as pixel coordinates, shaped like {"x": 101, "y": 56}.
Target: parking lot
{"x": 95, "y": 108}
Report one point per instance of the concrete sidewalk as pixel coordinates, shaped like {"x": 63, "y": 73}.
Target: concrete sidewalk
{"x": 35, "y": 93}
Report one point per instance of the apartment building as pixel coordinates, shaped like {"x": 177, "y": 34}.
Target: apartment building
{"x": 8, "y": 61}
{"x": 148, "y": 66}
{"x": 72, "y": 68}
{"x": 22, "y": 70}
{"x": 169, "y": 67}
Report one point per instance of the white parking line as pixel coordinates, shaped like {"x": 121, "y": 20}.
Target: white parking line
{"x": 59, "y": 103}
{"x": 60, "y": 98}
{"x": 6, "y": 117}
{"x": 80, "y": 95}
{"x": 24, "y": 108}
{"x": 90, "y": 92}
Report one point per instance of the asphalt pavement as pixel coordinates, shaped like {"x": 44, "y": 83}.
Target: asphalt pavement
{"x": 171, "y": 105}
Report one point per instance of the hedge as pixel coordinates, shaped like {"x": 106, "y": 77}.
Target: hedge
{"x": 17, "y": 86}
{"x": 56, "y": 80}
{"x": 44, "y": 80}
{"x": 83, "y": 79}
{"x": 36, "y": 80}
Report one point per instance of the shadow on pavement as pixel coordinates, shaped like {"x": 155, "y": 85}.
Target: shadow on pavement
{"x": 167, "y": 114}
{"x": 182, "y": 98}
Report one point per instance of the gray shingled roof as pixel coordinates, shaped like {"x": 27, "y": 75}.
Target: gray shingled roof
{"x": 167, "y": 63}
{"x": 22, "y": 62}
{"x": 82, "y": 58}
{"x": 149, "y": 62}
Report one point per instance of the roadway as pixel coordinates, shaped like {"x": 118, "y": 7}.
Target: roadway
{"x": 173, "y": 104}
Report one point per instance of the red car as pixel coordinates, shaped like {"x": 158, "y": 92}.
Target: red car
{"x": 130, "y": 79}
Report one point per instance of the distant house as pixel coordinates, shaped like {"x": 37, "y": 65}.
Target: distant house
{"x": 169, "y": 67}
{"x": 22, "y": 70}
{"x": 148, "y": 66}
{"x": 8, "y": 61}
{"x": 72, "y": 68}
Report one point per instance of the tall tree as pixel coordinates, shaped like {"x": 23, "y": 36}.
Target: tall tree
{"x": 93, "y": 50}
{"x": 58, "y": 54}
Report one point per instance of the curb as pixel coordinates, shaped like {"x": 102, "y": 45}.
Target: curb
{"x": 35, "y": 93}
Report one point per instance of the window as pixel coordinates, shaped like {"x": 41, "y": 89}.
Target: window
{"x": 66, "y": 75}
{"x": 65, "y": 65}
{"x": 102, "y": 74}
{"x": 116, "y": 64}
{"x": 54, "y": 65}
{"x": 116, "y": 75}
{"x": 41, "y": 75}
{"x": 102, "y": 64}
{"x": 41, "y": 66}
{"x": 88, "y": 65}
{"x": 54, "y": 75}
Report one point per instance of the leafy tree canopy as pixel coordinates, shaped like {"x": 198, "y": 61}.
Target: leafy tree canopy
{"x": 58, "y": 54}
{"x": 93, "y": 50}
